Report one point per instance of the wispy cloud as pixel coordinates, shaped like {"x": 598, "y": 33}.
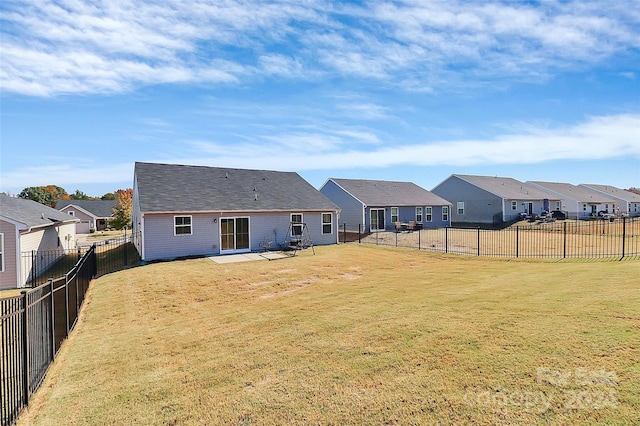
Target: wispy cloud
{"x": 52, "y": 48}
{"x": 601, "y": 137}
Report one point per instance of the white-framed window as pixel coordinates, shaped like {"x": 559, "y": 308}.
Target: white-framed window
{"x": 182, "y": 225}
{"x": 445, "y": 213}
{"x": 428, "y": 212}
{"x": 395, "y": 213}
{"x": 514, "y": 205}
{"x": 1, "y": 252}
{"x": 460, "y": 207}
{"x": 327, "y": 223}
{"x": 72, "y": 213}
{"x": 296, "y": 223}
{"x": 558, "y": 205}
{"x": 418, "y": 214}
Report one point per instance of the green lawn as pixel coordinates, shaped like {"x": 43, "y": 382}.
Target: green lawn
{"x": 353, "y": 335}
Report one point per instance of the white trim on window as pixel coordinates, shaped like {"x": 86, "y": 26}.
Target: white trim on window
{"x": 296, "y": 229}
{"x": 72, "y": 213}
{"x": 326, "y": 224}
{"x": 445, "y": 213}
{"x": 460, "y": 206}
{"x": 395, "y": 217}
{"x": 418, "y": 214}
{"x": 428, "y": 214}
{"x": 185, "y": 224}
{"x": 514, "y": 205}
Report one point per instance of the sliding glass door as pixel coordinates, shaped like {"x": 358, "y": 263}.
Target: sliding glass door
{"x": 234, "y": 234}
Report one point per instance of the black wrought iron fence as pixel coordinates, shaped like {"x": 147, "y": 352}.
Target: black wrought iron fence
{"x": 34, "y": 324}
{"x": 605, "y": 239}
{"x": 113, "y": 254}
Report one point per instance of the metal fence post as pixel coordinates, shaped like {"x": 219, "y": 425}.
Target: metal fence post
{"x": 478, "y": 241}
{"x": 624, "y": 232}
{"x": 419, "y": 233}
{"x": 517, "y": 242}
{"x": 34, "y": 267}
{"x": 359, "y": 231}
{"x": 564, "y": 241}
{"x": 53, "y": 321}
{"x": 446, "y": 239}
{"x": 344, "y": 232}
{"x": 25, "y": 347}
{"x": 66, "y": 302}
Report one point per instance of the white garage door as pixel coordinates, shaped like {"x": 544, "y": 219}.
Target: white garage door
{"x": 83, "y": 227}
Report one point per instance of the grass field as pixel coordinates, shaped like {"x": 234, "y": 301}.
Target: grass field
{"x": 353, "y": 335}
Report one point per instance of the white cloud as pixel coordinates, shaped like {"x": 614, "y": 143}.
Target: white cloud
{"x": 107, "y": 46}
{"x": 604, "y": 137}
{"x": 597, "y": 138}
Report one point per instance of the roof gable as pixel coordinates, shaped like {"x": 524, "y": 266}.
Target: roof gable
{"x": 578, "y": 193}
{"x": 612, "y": 191}
{"x": 389, "y": 193}
{"x": 30, "y": 213}
{"x": 183, "y": 188}
{"x": 97, "y": 208}
{"x": 508, "y": 188}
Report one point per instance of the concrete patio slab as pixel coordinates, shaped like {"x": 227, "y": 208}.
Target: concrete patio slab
{"x": 247, "y": 257}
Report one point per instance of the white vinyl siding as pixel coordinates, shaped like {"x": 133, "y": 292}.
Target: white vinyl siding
{"x": 182, "y": 225}
{"x": 1, "y": 252}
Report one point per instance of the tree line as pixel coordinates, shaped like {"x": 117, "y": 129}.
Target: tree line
{"x": 49, "y": 195}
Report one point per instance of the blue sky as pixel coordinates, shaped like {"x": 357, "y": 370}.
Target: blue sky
{"x": 408, "y": 90}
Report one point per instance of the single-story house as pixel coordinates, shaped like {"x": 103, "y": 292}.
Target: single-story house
{"x": 94, "y": 215}
{"x": 26, "y": 228}
{"x": 377, "y": 205}
{"x": 493, "y": 200}
{"x": 182, "y": 210}
{"x": 627, "y": 201}
{"x": 578, "y": 202}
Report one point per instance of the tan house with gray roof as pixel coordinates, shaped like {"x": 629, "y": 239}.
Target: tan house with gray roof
{"x": 31, "y": 228}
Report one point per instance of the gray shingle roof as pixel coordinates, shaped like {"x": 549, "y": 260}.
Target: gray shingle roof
{"x": 98, "y": 208}
{"x": 579, "y": 193}
{"x": 182, "y": 188}
{"x": 621, "y": 194}
{"x": 30, "y": 213}
{"x": 390, "y": 193}
{"x": 508, "y": 188}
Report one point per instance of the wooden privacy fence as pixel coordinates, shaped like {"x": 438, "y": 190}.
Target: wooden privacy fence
{"x": 598, "y": 239}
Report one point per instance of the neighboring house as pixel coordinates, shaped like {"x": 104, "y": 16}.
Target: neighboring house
{"x": 377, "y": 205}
{"x": 492, "y": 200}
{"x": 94, "y": 215}
{"x": 30, "y": 227}
{"x": 628, "y": 201}
{"x": 578, "y": 202}
{"x": 181, "y": 210}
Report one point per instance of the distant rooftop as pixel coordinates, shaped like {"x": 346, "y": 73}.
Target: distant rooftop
{"x": 30, "y": 213}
